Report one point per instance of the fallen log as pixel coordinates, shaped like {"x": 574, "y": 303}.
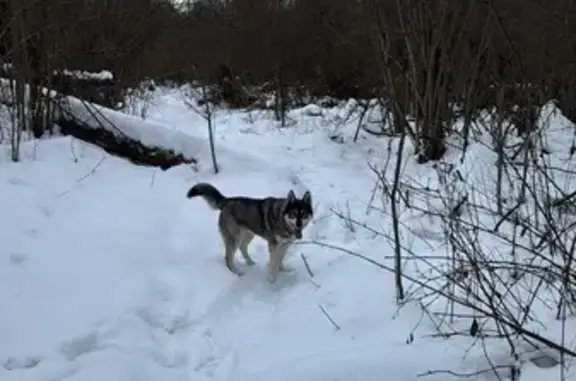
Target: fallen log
{"x": 129, "y": 149}
{"x": 119, "y": 135}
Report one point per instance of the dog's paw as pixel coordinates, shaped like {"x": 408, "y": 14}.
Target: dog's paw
{"x": 250, "y": 262}
{"x": 235, "y": 271}
{"x": 272, "y": 277}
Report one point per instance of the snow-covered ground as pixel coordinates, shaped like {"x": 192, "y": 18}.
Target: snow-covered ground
{"x": 107, "y": 271}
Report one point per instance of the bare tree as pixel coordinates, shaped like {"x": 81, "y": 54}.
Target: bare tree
{"x": 200, "y": 102}
{"x": 20, "y": 74}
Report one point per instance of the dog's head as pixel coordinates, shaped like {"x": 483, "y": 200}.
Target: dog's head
{"x": 297, "y": 213}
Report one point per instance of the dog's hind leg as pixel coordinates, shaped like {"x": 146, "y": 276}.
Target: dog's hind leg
{"x": 231, "y": 243}
{"x": 247, "y": 237}
{"x": 231, "y": 246}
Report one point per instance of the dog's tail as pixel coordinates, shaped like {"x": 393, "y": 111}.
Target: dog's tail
{"x": 209, "y": 193}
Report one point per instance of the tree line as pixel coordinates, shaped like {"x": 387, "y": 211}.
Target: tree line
{"x": 429, "y": 60}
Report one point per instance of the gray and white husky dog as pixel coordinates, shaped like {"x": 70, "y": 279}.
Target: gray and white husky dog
{"x": 279, "y": 221}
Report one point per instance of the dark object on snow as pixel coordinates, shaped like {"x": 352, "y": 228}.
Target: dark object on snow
{"x": 544, "y": 361}
{"x": 122, "y": 146}
{"x": 474, "y": 327}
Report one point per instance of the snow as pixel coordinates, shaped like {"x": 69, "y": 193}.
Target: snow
{"x": 102, "y": 75}
{"x": 108, "y": 272}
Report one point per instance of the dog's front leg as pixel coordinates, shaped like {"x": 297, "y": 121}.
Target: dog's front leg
{"x": 283, "y": 250}
{"x": 274, "y": 262}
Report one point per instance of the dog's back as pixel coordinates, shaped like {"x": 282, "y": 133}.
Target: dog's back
{"x": 259, "y": 215}
{"x": 262, "y": 216}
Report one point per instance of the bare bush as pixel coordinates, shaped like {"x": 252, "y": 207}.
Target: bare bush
{"x": 498, "y": 270}
{"x": 198, "y": 99}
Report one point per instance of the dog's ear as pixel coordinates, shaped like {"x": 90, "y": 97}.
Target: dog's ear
{"x": 307, "y": 198}
{"x": 288, "y": 200}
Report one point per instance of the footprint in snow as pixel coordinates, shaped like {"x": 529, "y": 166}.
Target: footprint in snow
{"x": 18, "y": 258}
{"x": 27, "y": 362}
{"x": 169, "y": 323}
{"x": 46, "y": 211}
{"x": 81, "y": 345}
{"x": 18, "y": 182}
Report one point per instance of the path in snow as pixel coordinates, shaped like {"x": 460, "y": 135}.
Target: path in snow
{"x": 250, "y": 330}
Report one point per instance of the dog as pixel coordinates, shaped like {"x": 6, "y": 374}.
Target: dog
{"x": 279, "y": 221}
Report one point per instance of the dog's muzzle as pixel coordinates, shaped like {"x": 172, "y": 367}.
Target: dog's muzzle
{"x": 298, "y": 233}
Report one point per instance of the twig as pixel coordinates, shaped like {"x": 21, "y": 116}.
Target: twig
{"x": 307, "y": 265}
{"x": 456, "y": 374}
{"x": 92, "y": 172}
{"x": 372, "y": 196}
{"x": 73, "y": 151}
{"x": 329, "y": 317}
